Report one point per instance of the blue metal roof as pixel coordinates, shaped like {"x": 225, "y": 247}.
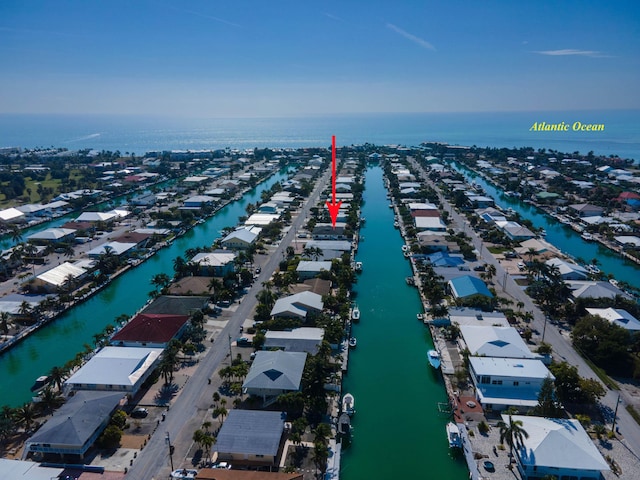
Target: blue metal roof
{"x": 467, "y": 286}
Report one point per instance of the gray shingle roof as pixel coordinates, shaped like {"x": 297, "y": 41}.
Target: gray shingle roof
{"x": 78, "y": 419}
{"x": 276, "y": 370}
{"x": 251, "y": 432}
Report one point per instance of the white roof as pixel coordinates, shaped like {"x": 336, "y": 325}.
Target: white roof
{"x": 632, "y": 239}
{"x": 469, "y": 316}
{"x": 31, "y": 208}
{"x": 122, "y": 366}
{"x": 10, "y": 214}
{"x": 27, "y": 470}
{"x": 422, "y": 206}
{"x": 309, "y": 266}
{"x": 566, "y": 268}
{"x": 495, "y": 342}
{"x": 559, "y": 443}
{"x": 261, "y": 219}
{"x": 430, "y": 222}
{"x": 244, "y": 234}
{"x": 302, "y": 333}
{"x": 214, "y": 259}
{"x": 298, "y": 304}
{"x": 620, "y": 317}
{"x": 58, "y": 275}
{"x": 510, "y": 367}
{"x": 117, "y": 248}
{"x": 200, "y": 199}
{"x": 51, "y": 234}
{"x": 196, "y": 179}
{"x": 595, "y": 289}
{"x": 95, "y": 217}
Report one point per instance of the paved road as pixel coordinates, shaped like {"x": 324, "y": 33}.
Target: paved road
{"x": 186, "y": 413}
{"x": 558, "y": 338}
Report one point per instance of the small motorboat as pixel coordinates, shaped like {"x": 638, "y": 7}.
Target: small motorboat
{"x": 344, "y": 424}
{"x": 406, "y": 248}
{"x": 453, "y": 434}
{"x": 348, "y": 404}
{"x": 357, "y": 266}
{"x": 353, "y": 342}
{"x": 588, "y": 237}
{"x": 355, "y": 314}
{"x": 40, "y": 383}
{"x": 396, "y": 224}
{"x": 434, "y": 358}
{"x": 420, "y": 316}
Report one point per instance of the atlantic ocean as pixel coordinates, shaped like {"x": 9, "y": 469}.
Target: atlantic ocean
{"x": 141, "y": 134}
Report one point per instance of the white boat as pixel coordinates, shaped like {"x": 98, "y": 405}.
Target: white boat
{"x": 542, "y": 232}
{"x": 453, "y": 434}
{"x": 587, "y": 236}
{"x": 357, "y": 266}
{"x": 434, "y": 358}
{"x": 353, "y": 342}
{"x": 40, "y": 383}
{"x": 348, "y": 404}
{"x": 613, "y": 282}
{"x": 355, "y": 313}
{"x": 406, "y": 248}
{"x": 420, "y": 316}
{"x": 391, "y": 205}
{"x": 593, "y": 269}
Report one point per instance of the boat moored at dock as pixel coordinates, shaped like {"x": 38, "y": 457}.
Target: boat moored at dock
{"x": 348, "y": 404}
{"x": 453, "y": 435}
{"x": 434, "y": 358}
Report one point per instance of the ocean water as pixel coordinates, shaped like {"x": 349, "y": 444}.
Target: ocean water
{"x": 140, "y": 134}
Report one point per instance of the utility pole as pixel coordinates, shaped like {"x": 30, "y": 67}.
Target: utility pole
{"x": 615, "y": 414}
{"x": 168, "y": 442}
{"x": 230, "y": 352}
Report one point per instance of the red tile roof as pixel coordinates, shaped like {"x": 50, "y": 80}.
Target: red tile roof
{"x": 153, "y": 327}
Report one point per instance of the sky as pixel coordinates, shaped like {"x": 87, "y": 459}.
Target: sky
{"x": 208, "y": 58}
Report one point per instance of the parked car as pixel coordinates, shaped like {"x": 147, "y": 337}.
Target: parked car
{"x": 479, "y": 268}
{"x": 243, "y": 342}
{"x": 140, "y": 412}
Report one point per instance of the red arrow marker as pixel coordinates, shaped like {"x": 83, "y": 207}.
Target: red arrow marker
{"x": 333, "y": 206}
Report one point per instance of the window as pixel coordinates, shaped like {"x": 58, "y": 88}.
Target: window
{"x": 485, "y": 379}
{"x": 496, "y": 382}
{"x": 515, "y": 384}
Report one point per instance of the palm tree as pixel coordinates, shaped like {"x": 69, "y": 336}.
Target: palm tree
{"x": 160, "y": 280}
{"x": 512, "y": 433}
{"x": 25, "y": 309}
{"x": 57, "y": 376}
{"x": 69, "y": 250}
{"x": 207, "y": 442}
{"x": 50, "y": 400}
{"x": 4, "y": 323}
{"x": 25, "y": 415}
{"x": 16, "y": 233}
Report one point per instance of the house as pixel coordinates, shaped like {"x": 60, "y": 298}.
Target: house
{"x": 227, "y": 474}
{"x": 297, "y": 305}
{"x": 326, "y": 231}
{"x": 262, "y": 219}
{"x": 304, "y": 339}
{"x": 116, "y": 369}
{"x": 471, "y": 316}
{"x": 586, "y": 210}
{"x": 64, "y": 276}
{"x": 28, "y": 470}
{"x": 310, "y": 269}
{"x": 568, "y": 270}
{"x": 515, "y": 231}
{"x": 430, "y": 224}
{"x": 153, "y": 330}
{"x": 52, "y": 236}
{"x": 501, "y": 383}
{"x": 191, "y": 285}
{"x": 330, "y": 248}
{"x": 76, "y": 425}
{"x": 12, "y": 215}
{"x": 250, "y": 438}
{"x": 274, "y": 373}
{"x": 559, "y": 447}
{"x": 112, "y": 248}
{"x": 95, "y": 217}
{"x": 617, "y": 316}
{"x": 177, "y": 304}
{"x": 489, "y": 341}
{"x": 198, "y": 201}
{"x": 467, "y": 286}
{"x": 594, "y": 289}
{"x": 441, "y": 259}
{"x": 241, "y": 238}
{"x": 215, "y": 264}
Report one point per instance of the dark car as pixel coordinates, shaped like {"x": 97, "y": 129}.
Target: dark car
{"x": 479, "y": 268}
{"x": 243, "y": 342}
{"x": 140, "y": 412}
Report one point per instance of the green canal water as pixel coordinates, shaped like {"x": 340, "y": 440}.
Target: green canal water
{"x": 397, "y": 429}
{"x": 58, "y": 342}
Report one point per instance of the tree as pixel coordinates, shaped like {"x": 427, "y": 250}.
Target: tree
{"x": 50, "y": 400}
{"x": 57, "y": 375}
{"x": 111, "y": 437}
{"x": 4, "y": 323}
{"x": 160, "y": 280}
{"x": 25, "y": 415}
{"x": 512, "y": 434}
{"x": 548, "y": 405}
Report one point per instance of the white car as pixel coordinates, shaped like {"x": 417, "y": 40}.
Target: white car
{"x": 224, "y": 465}
{"x": 184, "y": 473}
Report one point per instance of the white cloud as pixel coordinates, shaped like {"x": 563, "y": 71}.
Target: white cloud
{"x": 571, "y": 51}
{"x": 423, "y": 43}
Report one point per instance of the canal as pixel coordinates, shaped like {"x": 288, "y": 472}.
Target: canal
{"x": 560, "y": 235}
{"x": 58, "y": 342}
{"x": 397, "y": 429}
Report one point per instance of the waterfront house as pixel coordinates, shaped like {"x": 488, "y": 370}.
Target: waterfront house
{"x": 557, "y": 447}
{"x": 515, "y": 231}
{"x": 122, "y": 369}
{"x": 153, "y": 330}
{"x": 198, "y": 201}
{"x": 241, "y": 238}
{"x": 66, "y": 276}
{"x": 490, "y": 341}
{"x": 628, "y": 241}
{"x": 568, "y": 270}
{"x": 330, "y": 248}
{"x": 304, "y": 339}
{"x": 274, "y": 373}
{"x": 250, "y": 438}
{"x": 215, "y": 264}
{"x": 326, "y": 231}
{"x": 617, "y": 316}
{"x": 112, "y": 248}
{"x": 191, "y": 285}
{"x": 94, "y": 217}
{"x": 501, "y": 383}
{"x": 310, "y": 269}
{"x": 468, "y": 286}
{"x": 299, "y": 305}
{"x": 76, "y": 425}
{"x": 471, "y": 316}
{"x": 594, "y": 289}
{"x": 436, "y": 242}
{"x": 52, "y": 236}
{"x": 262, "y": 219}
{"x": 12, "y": 215}
{"x": 585, "y": 210}
{"x": 430, "y": 224}
{"x": 177, "y": 304}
